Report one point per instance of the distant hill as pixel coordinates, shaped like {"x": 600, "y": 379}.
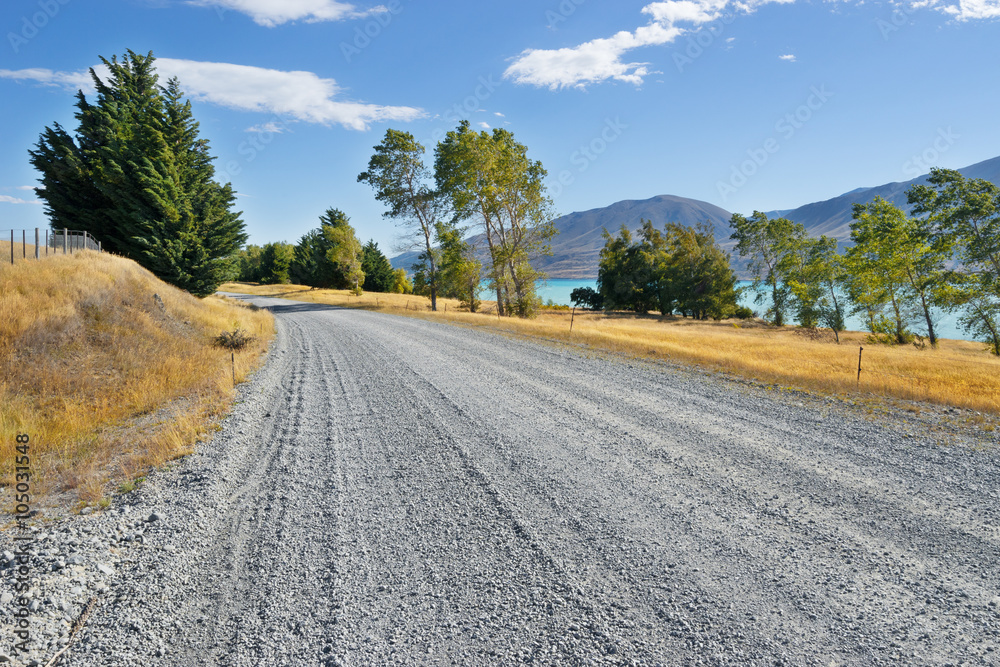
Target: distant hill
{"x": 576, "y": 250}
{"x": 833, "y": 216}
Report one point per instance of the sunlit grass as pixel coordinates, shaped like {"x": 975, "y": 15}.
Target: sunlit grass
{"x": 957, "y": 373}
{"x": 106, "y": 381}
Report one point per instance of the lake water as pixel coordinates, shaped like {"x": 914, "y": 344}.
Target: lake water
{"x": 559, "y": 289}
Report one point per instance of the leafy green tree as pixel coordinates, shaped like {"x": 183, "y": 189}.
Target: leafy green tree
{"x": 138, "y": 177}
{"x": 878, "y": 263}
{"x": 401, "y": 181}
{"x": 962, "y": 219}
{"x": 461, "y": 272}
{"x": 329, "y": 256}
{"x": 696, "y": 277}
{"x": 682, "y": 270}
{"x": 379, "y": 276}
{"x": 275, "y": 262}
{"x": 489, "y": 178}
{"x": 401, "y": 283}
{"x": 625, "y": 279}
{"x": 771, "y": 246}
{"x": 248, "y": 263}
{"x": 586, "y": 297}
{"x": 815, "y": 281}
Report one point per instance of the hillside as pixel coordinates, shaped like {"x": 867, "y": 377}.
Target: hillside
{"x": 833, "y": 216}
{"x": 109, "y": 370}
{"x": 576, "y": 249}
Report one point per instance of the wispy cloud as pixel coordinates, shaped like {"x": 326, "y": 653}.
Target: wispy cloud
{"x": 267, "y": 128}
{"x": 47, "y": 77}
{"x": 7, "y": 199}
{"x": 485, "y": 126}
{"x": 788, "y": 57}
{"x": 271, "y": 13}
{"x": 297, "y": 95}
{"x": 605, "y": 59}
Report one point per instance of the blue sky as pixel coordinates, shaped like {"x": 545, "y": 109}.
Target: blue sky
{"x": 750, "y": 105}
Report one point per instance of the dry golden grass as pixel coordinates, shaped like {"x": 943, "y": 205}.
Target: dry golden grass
{"x": 958, "y": 373}
{"x": 106, "y": 381}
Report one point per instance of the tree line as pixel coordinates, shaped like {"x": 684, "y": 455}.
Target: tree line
{"x": 678, "y": 270}
{"x": 899, "y": 269}
{"x": 329, "y": 256}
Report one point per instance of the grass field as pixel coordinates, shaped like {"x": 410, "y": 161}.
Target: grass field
{"x": 105, "y": 378}
{"x": 958, "y": 373}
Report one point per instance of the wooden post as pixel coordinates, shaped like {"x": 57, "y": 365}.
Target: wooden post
{"x": 46, "y": 241}
{"x": 12, "y": 246}
{"x": 24, "y": 244}
{"x": 233, "y": 357}
{"x": 65, "y": 239}
{"x": 571, "y": 318}
{"x": 859, "y": 365}
{"x": 37, "y": 249}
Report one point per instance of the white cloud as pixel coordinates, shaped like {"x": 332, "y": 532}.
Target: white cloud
{"x": 604, "y": 59}
{"x": 788, "y": 57}
{"x": 498, "y": 114}
{"x": 292, "y": 96}
{"x": 47, "y": 77}
{"x": 271, "y": 13}
{"x": 972, "y": 10}
{"x": 485, "y": 126}
{"x": 24, "y": 187}
{"x": 6, "y": 199}
{"x": 267, "y": 128}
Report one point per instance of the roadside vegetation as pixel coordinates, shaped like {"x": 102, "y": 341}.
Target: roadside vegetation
{"x": 137, "y": 176}
{"x": 110, "y": 371}
{"x": 898, "y": 269}
{"x": 958, "y": 373}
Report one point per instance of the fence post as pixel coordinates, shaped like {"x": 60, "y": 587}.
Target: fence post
{"x": 37, "y": 249}
{"x": 24, "y": 244}
{"x": 12, "y": 246}
{"x": 46, "y": 241}
{"x": 65, "y": 239}
{"x": 571, "y": 318}
{"x": 860, "y": 351}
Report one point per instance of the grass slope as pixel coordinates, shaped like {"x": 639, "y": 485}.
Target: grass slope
{"x": 107, "y": 379}
{"x": 959, "y": 373}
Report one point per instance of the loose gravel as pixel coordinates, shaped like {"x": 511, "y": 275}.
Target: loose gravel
{"x": 397, "y": 491}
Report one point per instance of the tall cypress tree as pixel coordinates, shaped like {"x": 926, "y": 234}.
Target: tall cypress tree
{"x": 138, "y": 177}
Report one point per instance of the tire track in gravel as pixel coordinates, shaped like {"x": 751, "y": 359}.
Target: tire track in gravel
{"x": 395, "y": 491}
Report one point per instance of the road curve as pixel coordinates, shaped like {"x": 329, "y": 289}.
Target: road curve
{"x": 397, "y": 491}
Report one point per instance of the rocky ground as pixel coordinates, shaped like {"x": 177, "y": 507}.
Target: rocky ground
{"x": 395, "y": 491}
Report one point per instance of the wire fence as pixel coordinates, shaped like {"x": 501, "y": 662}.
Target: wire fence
{"x": 37, "y": 243}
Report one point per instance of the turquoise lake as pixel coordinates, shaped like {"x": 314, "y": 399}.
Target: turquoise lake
{"x": 559, "y": 289}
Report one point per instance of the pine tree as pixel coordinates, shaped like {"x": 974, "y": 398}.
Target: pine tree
{"x": 379, "y": 276}
{"x": 138, "y": 178}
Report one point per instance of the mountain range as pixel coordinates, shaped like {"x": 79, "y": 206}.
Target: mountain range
{"x": 576, "y": 249}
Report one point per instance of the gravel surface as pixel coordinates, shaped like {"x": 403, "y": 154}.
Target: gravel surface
{"x": 396, "y": 491}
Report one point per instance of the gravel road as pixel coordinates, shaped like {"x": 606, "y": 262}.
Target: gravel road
{"x": 396, "y": 491}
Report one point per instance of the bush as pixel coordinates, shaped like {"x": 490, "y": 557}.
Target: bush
{"x": 743, "y": 313}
